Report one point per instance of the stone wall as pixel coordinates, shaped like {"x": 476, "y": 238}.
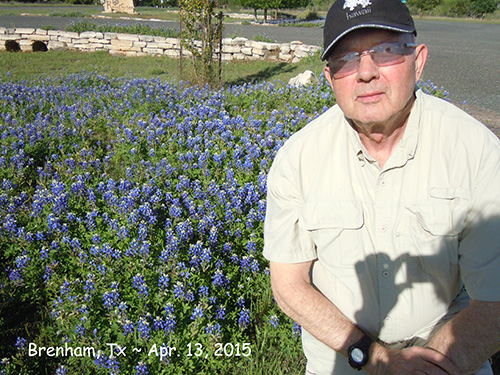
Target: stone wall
{"x": 28, "y": 39}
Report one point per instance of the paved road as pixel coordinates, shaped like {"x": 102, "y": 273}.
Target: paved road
{"x": 464, "y": 57}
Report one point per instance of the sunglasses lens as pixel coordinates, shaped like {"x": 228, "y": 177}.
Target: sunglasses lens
{"x": 345, "y": 66}
{"x": 385, "y": 54}
{"x": 387, "y": 58}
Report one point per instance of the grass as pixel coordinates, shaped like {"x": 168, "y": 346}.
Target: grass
{"x": 29, "y": 66}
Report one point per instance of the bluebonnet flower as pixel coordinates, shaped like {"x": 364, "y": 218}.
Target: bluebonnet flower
{"x": 240, "y": 302}
{"x": 21, "y": 343}
{"x": 170, "y": 322}
{"x": 143, "y": 328}
{"x": 123, "y": 233}
{"x": 139, "y": 283}
{"x": 220, "y": 312}
{"x": 111, "y": 298}
{"x": 96, "y": 238}
{"x": 144, "y": 249}
{"x": 213, "y": 329}
{"x": 49, "y": 270}
{"x": 189, "y": 296}
{"x": 244, "y": 318}
{"x": 62, "y": 370}
{"x": 16, "y": 278}
{"x": 90, "y": 283}
{"x": 274, "y": 321}
{"x": 179, "y": 290}
{"x": 203, "y": 291}
{"x": 296, "y": 330}
{"x": 80, "y": 330}
{"x": 158, "y": 323}
{"x": 197, "y": 313}
{"x": 128, "y": 327}
{"x": 219, "y": 279}
{"x": 163, "y": 281}
{"x": 40, "y": 236}
{"x": 110, "y": 363}
{"x": 22, "y": 261}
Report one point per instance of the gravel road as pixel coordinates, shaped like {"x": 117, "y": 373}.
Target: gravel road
{"x": 464, "y": 57}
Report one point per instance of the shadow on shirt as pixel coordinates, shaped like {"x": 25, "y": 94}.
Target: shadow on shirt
{"x": 450, "y": 263}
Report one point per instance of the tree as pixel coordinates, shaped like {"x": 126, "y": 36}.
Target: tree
{"x": 272, "y": 4}
{"x": 202, "y": 36}
{"x": 470, "y": 8}
{"x": 424, "y": 5}
{"x": 480, "y": 7}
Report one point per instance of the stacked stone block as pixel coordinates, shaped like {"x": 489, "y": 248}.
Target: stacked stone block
{"x": 143, "y": 45}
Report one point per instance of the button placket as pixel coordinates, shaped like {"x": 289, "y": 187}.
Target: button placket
{"x": 384, "y": 248}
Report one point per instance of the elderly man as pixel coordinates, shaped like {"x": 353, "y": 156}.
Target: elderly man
{"x": 383, "y": 218}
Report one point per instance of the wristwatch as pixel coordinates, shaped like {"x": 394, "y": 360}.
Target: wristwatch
{"x": 358, "y": 352}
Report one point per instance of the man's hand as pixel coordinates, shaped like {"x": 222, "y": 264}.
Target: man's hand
{"x": 413, "y": 360}
{"x": 471, "y": 337}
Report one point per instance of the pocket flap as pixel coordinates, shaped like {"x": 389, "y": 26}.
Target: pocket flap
{"x": 449, "y": 193}
{"x": 435, "y": 219}
{"x": 332, "y": 214}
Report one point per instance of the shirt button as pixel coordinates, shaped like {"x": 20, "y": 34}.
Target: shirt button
{"x": 383, "y": 228}
{"x": 385, "y": 274}
{"x": 383, "y": 183}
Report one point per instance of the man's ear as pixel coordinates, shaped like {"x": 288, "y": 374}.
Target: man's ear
{"x": 420, "y": 60}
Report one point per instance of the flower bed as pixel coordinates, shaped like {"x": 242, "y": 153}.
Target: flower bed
{"x": 131, "y": 225}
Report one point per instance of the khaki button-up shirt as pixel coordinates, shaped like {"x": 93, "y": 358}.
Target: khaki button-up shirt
{"x": 394, "y": 247}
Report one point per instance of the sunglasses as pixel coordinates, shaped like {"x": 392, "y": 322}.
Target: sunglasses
{"x": 384, "y": 54}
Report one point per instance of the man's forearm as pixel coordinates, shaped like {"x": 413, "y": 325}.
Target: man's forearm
{"x": 310, "y": 308}
{"x": 471, "y": 337}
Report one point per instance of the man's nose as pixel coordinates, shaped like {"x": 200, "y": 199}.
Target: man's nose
{"x": 367, "y": 69}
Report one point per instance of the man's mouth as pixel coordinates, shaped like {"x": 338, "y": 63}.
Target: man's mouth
{"x": 370, "y": 96}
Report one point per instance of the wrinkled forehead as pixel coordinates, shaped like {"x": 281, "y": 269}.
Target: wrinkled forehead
{"x": 363, "y": 39}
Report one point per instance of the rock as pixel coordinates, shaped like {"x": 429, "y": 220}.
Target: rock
{"x": 303, "y": 79}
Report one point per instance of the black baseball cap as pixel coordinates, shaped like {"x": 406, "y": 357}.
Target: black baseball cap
{"x": 348, "y": 15}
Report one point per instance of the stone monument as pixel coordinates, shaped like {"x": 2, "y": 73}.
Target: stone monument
{"x": 119, "y": 6}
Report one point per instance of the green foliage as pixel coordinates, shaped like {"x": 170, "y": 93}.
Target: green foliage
{"x": 272, "y": 4}
{"x": 479, "y": 8}
{"x": 263, "y": 38}
{"x": 142, "y": 29}
{"x": 454, "y": 8}
{"x": 423, "y": 5}
{"x": 202, "y": 36}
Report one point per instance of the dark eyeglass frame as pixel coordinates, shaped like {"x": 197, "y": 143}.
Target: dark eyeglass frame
{"x": 384, "y": 54}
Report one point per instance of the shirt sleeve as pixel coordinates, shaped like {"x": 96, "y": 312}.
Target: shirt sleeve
{"x": 479, "y": 249}
{"x": 284, "y": 240}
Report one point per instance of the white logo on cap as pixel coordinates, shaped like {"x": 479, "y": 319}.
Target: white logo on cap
{"x": 352, "y": 4}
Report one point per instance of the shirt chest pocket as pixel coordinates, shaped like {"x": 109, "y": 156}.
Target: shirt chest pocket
{"x": 430, "y": 231}
{"x": 335, "y": 227}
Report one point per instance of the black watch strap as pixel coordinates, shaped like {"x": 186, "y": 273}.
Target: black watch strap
{"x": 358, "y": 353}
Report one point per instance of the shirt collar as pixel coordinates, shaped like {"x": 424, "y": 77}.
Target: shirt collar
{"x": 407, "y": 146}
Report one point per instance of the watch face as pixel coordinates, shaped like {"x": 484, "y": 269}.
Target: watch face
{"x": 357, "y": 355}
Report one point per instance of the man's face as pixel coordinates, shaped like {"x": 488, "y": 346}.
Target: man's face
{"x": 373, "y": 95}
